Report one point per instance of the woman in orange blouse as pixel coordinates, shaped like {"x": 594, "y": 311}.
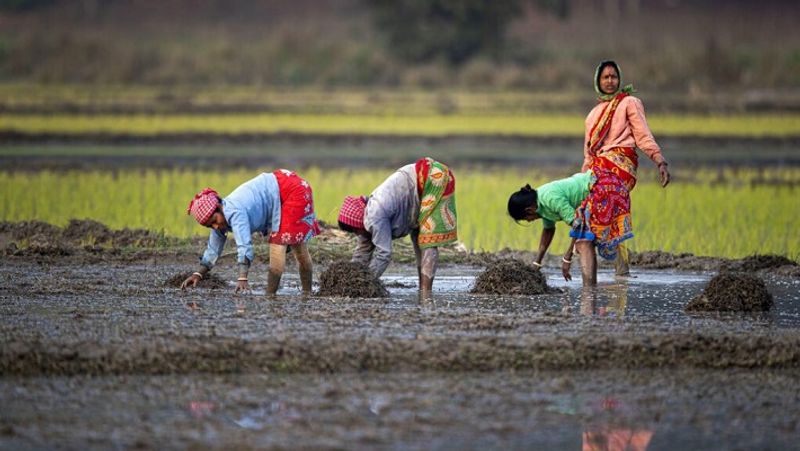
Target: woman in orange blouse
{"x": 614, "y": 129}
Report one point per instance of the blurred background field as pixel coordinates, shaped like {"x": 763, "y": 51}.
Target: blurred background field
{"x": 118, "y": 110}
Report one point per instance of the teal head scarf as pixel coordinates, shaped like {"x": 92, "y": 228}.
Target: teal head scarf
{"x": 628, "y": 89}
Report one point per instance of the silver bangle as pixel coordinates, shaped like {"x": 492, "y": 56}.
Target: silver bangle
{"x": 197, "y": 274}
{"x": 563, "y": 259}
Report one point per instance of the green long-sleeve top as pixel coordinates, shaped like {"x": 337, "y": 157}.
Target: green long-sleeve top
{"x": 558, "y": 200}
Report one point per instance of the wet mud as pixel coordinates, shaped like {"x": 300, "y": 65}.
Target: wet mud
{"x": 350, "y": 279}
{"x": 118, "y": 318}
{"x": 111, "y": 313}
{"x": 510, "y": 276}
{"x": 101, "y": 349}
{"x": 732, "y": 292}
{"x": 657, "y": 409}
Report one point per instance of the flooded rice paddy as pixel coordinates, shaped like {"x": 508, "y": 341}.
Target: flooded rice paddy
{"x": 100, "y": 353}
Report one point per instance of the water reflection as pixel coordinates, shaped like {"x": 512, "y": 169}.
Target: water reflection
{"x": 616, "y": 439}
{"x": 606, "y": 300}
{"x": 614, "y": 430}
{"x": 201, "y": 409}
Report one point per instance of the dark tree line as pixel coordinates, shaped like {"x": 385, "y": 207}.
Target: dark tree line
{"x": 450, "y": 30}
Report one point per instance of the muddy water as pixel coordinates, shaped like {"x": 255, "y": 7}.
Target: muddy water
{"x": 648, "y": 295}
{"x": 63, "y": 318}
{"x": 103, "y": 354}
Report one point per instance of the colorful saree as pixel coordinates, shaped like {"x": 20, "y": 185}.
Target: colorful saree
{"x": 622, "y": 161}
{"x": 436, "y": 186}
{"x": 298, "y": 220}
{"x": 605, "y": 215}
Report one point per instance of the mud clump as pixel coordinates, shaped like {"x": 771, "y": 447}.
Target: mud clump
{"x": 663, "y": 260}
{"x": 87, "y": 230}
{"x": 24, "y": 230}
{"x": 732, "y": 292}
{"x": 45, "y": 239}
{"x": 510, "y": 276}
{"x": 210, "y": 280}
{"x": 350, "y": 279}
{"x": 759, "y": 262}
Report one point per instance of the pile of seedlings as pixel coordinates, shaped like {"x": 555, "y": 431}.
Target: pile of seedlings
{"x": 510, "y": 276}
{"x": 350, "y": 279}
{"x": 732, "y": 292}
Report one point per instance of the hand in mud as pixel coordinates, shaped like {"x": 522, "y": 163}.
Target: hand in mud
{"x": 565, "y": 271}
{"x": 190, "y": 281}
{"x": 242, "y": 287}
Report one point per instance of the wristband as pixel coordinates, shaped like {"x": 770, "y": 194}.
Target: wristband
{"x": 242, "y": 279}
{"x": 198, "y": 275}
{"x": 537, "y": 264}
{"x": 563, "y": 259}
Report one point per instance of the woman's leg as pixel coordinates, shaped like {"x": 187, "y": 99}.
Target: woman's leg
{"x": 277, "y": 261}
{"x": 303, "y": 258}
{"x": 588, "y": 261}
{"x": 621, "y": 263}
{"x": 430, "y": 258}
{"x": 417, "y": 251}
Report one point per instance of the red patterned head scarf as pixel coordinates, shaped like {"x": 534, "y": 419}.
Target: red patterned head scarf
{"x": 352, "y": 211}
{"x": 203, "y": 205}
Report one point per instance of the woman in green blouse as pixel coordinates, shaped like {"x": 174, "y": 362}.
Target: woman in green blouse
{"x": 596, "y": 204}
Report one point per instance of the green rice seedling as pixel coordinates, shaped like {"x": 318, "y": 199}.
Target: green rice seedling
{"x": 726, "y": 213}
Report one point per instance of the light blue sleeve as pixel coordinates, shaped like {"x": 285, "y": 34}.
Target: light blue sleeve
{"x": 240, "y": 225}
{"x": 216, "y": 242}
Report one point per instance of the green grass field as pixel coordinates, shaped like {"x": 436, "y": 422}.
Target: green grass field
{"x": 727, "y": 213}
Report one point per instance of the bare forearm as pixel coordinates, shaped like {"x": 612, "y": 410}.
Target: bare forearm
{"x": 544, "y": 243}
{"x": 570, "y": 250}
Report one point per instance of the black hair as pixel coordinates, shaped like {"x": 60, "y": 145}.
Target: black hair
{"x": 348, "y": 227}
{"x": 520, "y": 201}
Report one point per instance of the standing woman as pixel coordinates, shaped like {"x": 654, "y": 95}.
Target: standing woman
{"x": 614, "y": 129}
{"x": 417, "y": 200}
{"x": 280, "y": 205}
